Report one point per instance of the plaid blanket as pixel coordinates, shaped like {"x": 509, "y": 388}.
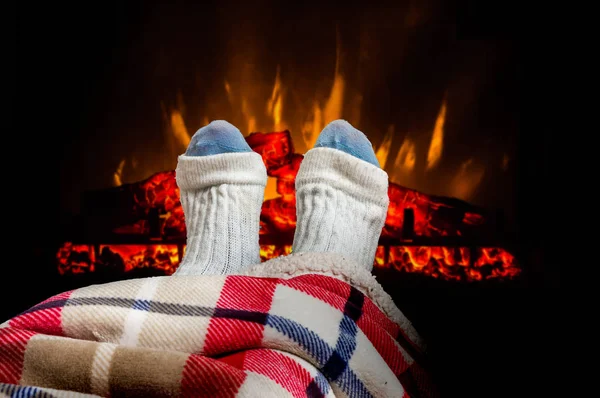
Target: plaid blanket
{"x": 306, "y": 335}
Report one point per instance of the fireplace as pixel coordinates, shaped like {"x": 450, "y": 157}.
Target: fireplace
{"x": 436, "y": 104}
{"x": 435, "y": 88}
{"x": 141, "y": 225}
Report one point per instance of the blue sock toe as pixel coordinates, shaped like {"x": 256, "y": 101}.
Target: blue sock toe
{"x": 340, "y": 135}
{"x": 216, "y": 138}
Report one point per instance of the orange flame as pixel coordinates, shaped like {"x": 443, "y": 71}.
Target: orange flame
{"x": 437, "y": 140}
{"x": 117, "y": 181}
{"x": 180, "y": 132}
{"x": 407, "y": 156}
{"x": 384, "y": 149}
{"x": 454, "y": 263}
{"x": 251, "y": 120}
{"x": 321, "y": 116}
{"x": 467, "y": 179}
{"x": 275, "y": 104}
{"x": 268, "y": 252}
{"x": 380, "y": 258}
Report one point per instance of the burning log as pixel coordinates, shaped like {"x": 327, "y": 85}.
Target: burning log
{"x": 432, "y": 235}
{"x": 75, "y": 259}
{"x": 450, "y": 263}
{"x": 116, "y": 259}
{"x": 133, "y": 208}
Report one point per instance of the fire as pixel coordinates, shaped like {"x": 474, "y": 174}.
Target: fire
{"x": 323, "y": 115}
{"x": 268, "y": 252}
{"x": 159, "y": 215}
{"x": 467, "y": 178}
{"x": 247, "y": 114}
{"x": 460, "y": 264}
{"x": 437, "y": 140}
{"x": 117, "y": 181}
{"x": 271, "y": 189}
{"x": 380, "y": 258}
{"x": 384, "y": 149}
{"x": 275, "y": 104}
{"x": 434, "y": 216}
{"x": 407, "y": 156}
{"x": 116, "y": 259}
{"x": 75, "y": 259}
{"x": 129, "y": 257}
{"x": 180, "y": 132}
{"x": 158, "y": 195}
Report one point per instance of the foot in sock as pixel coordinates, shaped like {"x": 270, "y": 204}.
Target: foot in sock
{"x": 341, "y": 196}
{"x": 221, "y": 182}
{"x": 216, "y": 138}
{"x": 340, "y": 135}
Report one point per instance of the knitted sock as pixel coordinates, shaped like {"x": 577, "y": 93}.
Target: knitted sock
{"x": 341, "y": 196}
{"x": 221, "y": 183}
{"x": 340, "y": 134}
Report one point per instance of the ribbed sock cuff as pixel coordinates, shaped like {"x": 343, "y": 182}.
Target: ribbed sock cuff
{"x": 346, "y": 173}
{"x": 197, "y": 172}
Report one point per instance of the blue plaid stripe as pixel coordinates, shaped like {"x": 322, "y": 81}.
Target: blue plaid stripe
{"x": 15, "y": 391}
{"x": 336, "y": 369}
{"x": 313, "y": 390}
{"x": 318, "y": 387}
{"x": 142, "y": 305}
{"x": 322, "y": 353}
{"x": 44, "y": 306}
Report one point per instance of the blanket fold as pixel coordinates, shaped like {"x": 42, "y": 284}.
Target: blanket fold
{"x": 282, "y": 331}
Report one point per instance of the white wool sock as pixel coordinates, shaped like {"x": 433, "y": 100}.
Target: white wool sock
{"x": 341, "y": 205}
{"x": 221, "y": 197}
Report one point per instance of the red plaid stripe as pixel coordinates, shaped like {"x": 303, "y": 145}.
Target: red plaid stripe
{"x": 327, "y": 289}
{"x": 377, "y": 316}
{"x": 236, "y": 360}
{"x": 242, "y": 294}
{"x": 46, "y": 320}
{"x": 208, "y": 377}
{"x": 12, "y": 353}
{"x": 381, "y": 323}
{"x": 384, "y": 343}
{"x": 280, "y": 368}
{"x": 61, "y": 296}
{"x": 423, "y": 381}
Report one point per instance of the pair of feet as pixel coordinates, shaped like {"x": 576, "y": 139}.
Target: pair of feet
{"x": 341, "y": 199}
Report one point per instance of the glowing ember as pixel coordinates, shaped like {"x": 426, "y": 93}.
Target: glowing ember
{"x": 460, "y": 264}
{"x": 116, "y": 259}
{"x": 277, "y": 151}
{"x": 159, "y": 215}
{"x": 268, "y": 252}
{"x": 75, "y": 259}
{"x": 158, "y": 193}
{"x": 434, "y": 216}
{"x": 162, "y": 257}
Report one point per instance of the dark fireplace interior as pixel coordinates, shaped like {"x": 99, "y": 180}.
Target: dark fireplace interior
{"x": 110, "y": 96}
